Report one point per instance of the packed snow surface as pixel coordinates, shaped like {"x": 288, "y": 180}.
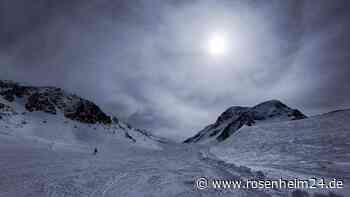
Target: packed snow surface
{"x": 43, "y": 164}
{"x": 315, "y": 147}
{"x": 46, "y": 154}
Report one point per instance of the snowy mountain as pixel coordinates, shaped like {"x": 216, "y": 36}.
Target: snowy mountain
{"x": 318, "y": 146}
{"x": 48, "y": 137}
{"x": 51, "y": 114}
{"x": 53, "y": 100}
{"x": 236, "y": 117}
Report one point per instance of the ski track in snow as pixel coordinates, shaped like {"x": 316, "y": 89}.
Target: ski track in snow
{"x": 31, "y": 167}
{"x": 55, "y": 158}
{"x": 40, "y": 172}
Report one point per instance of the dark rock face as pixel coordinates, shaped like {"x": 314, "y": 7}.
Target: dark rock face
{"x": 274, "y": 108}
{"x": 9, "y": 90}
{"x": 5, "y": 108}
{"x": 297, "y": 115}
{"x": 235, "y": 111}
{"x": 53, "y": 100}
{"x": 236, "y": 117}
{"x": 243, "y": 119}
{"x": 88, "y": 112}
{"x": 2, "y": 106}
{"x": 40, "y": 102}
{"x": 8, "y": 96}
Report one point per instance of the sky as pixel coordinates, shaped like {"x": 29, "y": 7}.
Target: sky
{"x": 147, "y": 62}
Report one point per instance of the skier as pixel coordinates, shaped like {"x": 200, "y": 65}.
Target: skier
{"x": 95, "y": 151}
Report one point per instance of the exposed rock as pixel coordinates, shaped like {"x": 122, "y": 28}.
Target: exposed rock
{"x": 87, "y": 112}
{"x": 243, "y": 119}
{"x": 235, "y": 117}
{"x": 53, "y": 100}
{"x": 5, "y": 108}
{"x": 9, "y": 90}
{"x": 40, "y": 102}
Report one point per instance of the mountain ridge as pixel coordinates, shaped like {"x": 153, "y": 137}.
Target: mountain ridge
{"x": 52, "y": 99}
{"x": 235, "y": 117}
{"x": 20, "y": 105}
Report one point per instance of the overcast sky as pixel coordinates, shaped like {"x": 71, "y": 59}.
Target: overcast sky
{"x": 145, "y": 61}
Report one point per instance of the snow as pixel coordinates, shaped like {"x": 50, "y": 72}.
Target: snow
{"x": 37, "y": 165}
{"x": 30, "y": 168}
{"x": 50, "y": 155}
{"x": 235, "y": 117}
{"x": 59, "y": 130}
{"x": 314, "y": 147}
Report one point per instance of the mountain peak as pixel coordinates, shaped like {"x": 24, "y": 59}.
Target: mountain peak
{"x": 273, "y": 102}
{"x": 54, "y": 100}
{"x": 75, "y": 117}
{"x": 235, "y": 117}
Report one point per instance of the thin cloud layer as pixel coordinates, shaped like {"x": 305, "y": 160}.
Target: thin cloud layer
{"x": 144, "y": 61}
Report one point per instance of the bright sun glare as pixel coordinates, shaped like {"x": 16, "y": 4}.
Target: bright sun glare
{"x": 217, "y": 44}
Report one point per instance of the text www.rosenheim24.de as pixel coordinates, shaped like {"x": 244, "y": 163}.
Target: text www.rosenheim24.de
{"x": 312, "y": 183}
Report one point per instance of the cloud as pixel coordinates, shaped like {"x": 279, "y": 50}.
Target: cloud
{"x": 144, "y": 61}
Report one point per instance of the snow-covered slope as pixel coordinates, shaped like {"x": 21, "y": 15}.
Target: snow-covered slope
{"x": 47, "y": 144}
{"x": 49, "y": 155}
{"x": 53, "y": 100}
{"x": 318, "y": 146}
{"x": 235, "y": 117}
{"x": 50, "y": 114}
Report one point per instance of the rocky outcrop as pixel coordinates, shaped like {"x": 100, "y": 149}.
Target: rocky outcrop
{"x": 40, "y": 102}
{"x": 235, "y": 117}
{"x": 6, "y": 111}
{"x": 10, "y": 90}
{"x": 88, "y": 112}
{"x": 54, "y": 100}
{"x": 5, "y": 108}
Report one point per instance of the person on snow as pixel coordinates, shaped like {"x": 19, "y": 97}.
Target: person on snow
{"x": 95, "y": 151}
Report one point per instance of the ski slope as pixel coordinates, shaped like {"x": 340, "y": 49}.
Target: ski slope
{"x": 34, "y": 166}
{"x": 315, "y": 147}
{"x": 48, "y": 152}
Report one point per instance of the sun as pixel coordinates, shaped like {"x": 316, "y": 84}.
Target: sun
{"x": 217, "y": 44}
